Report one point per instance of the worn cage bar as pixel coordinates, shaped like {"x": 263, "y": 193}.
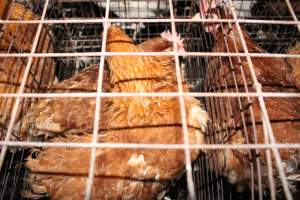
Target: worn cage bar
{"x": 252, "y": 140}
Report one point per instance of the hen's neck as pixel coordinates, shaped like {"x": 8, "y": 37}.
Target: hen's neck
{"x": 231, "y": 36}
{"x": 137, "y": 73}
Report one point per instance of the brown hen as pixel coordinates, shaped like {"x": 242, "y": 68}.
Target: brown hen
{"x": 126, "y": 173}
{"x": 233, "y": 121}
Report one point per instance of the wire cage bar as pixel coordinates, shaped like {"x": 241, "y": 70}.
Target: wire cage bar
{"x": 239, "y": 58}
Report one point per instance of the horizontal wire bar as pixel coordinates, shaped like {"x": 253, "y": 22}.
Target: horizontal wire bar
{"x": 149, "y": 146}
{"x": 153, "y": 20}
{"x": 151, "y": 94}
{"x": 203, "y": 54}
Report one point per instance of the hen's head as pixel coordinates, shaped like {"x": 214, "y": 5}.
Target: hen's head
{"x": 211, "y": 9}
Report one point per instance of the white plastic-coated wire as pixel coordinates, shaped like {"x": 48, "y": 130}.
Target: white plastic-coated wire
{"x": 145, "y": 20}
{"x": 147, "y": 146}
{"x": 265, "y": 115}
{"x": 22, "y": 86}
{"x": 89, "y": 187}
{"x": 152, "y": 94}
{"x": 203, "y": 54}
{"x": 187, "y": 155}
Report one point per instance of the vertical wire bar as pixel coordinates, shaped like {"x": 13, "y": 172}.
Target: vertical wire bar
{"x": 89, "y": 186}
{"x": 190, "y": 182}
{"x": 22, "y": 86}
{"x": 288, "y": 3}
{"x": 269, "y": 162}
{"x": 265, "y": 115}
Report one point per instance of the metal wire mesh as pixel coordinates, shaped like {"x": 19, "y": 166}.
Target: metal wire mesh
{"x": 235, "y": 102}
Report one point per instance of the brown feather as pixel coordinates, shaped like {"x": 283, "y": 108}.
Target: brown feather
{"x": 52, "y": 116}
{"x": 57, "y": 171}
{"x": 41, "y": 74}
